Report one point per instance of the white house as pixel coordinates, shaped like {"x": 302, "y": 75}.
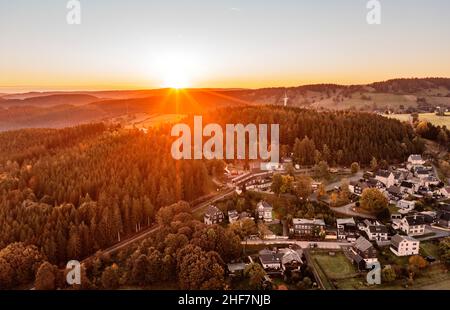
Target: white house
{"x": 377, "y": 233}
{"x": 385, "y": 177}
{"x": 213, "y": 215}
{"x": 233, "y": 216}
{"x": 404, "y": 245}
{"x": 264, "y": 211}
{"x": 415, "y": 159}
{"x": 406, "y": 205}
{"x": 413, "y": 225}
{"x": 407, "y": 187}
{"x": 346, "y": 229}
{"x": 270, "y": 260}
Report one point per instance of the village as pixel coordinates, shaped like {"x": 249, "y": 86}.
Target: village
{"x": 338, "y": 250}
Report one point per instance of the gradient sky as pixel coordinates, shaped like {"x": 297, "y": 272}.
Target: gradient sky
{"x": 218, "y": 43}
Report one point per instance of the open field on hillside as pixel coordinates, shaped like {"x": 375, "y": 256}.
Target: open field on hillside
{"x": 430, "y": 117}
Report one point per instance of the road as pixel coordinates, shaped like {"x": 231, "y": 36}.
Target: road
{"x": 356, "y": 177}
{"x": 328, "y": 245}
{"x": 348, "y": 210}
{"x": 146, "y": 232}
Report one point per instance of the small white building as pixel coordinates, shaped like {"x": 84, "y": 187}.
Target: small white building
{"x": 213, "y": 216}
{"x": 404, "y": 245}
{"x": 264, "y": 211}
{"x": 413, "y": 225}
{"x": 406, "y": 205}
{"x": 233, "y": 216}
{"x": 377, "y": 233}
{"x": 416, "y": 159}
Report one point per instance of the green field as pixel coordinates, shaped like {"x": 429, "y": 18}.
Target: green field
{"x": 430, "y": 249}
{"x": 336, "y": 272}
{"x": 430, "y": 117}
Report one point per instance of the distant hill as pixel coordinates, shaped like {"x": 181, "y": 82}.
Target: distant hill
{"x": 50, "y": 100}
{"x": 61, "y": 109}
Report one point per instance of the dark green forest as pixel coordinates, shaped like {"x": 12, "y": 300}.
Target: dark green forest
{"x": 65, "y": 194}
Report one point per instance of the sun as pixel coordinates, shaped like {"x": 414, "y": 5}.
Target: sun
{"x": 176, "y": 80}
{"x": 176, "y": 69}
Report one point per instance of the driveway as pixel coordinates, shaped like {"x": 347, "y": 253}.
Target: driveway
{"x": 348, "y": 210}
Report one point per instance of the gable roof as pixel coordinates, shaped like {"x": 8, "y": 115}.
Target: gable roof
{"x": 383, "y": 173}
{"x": 212, "y": 210}
{"x": 347, "y": 221}
{"x": 362, "y": 244}
{"x": 291, "y": 255}
{"x": 414, "y": 220}
{"x": 264, "y": 204}
{"x": 395, "y": 190}
{"x": 415, "y": 157}
{"x": 407, "y": 184}
{"x": 397, "y": 239}
{"x": 270, "y": 257}
{"x": 308, "y": 222}
{"x": 378, "y": 229}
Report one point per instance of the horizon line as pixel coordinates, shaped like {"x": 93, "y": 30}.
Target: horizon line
{"x": 92, "y": 90}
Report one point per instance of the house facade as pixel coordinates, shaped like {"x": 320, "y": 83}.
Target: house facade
{"x": 386, "y": 177}
{"x": 406, "y": 205}
{"x": 377, "y": 232}
{"x": 413, "y": 225}
{"x": 346, "y": 229}
{"x": 308, "y": 228}
{"x": 362, "y": 253}
{"x": 264, "y": 211}
{"x": 415, "y": 160}
{"x": 213, "y": 216}
{"x": 404, "y": 245}
{"x": 444, "y": 220}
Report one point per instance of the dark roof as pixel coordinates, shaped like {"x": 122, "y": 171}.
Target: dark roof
{"x": 407, "y": 184}
{"x": 270, "y": 257}
{"x": 421, "y": 170}
{"x": 395, "y": 240}
{"x": 398, "y": 175}
{"x": 415, "y": 220}
{"x": 395, "y": 190}
{"x": 372, "y": 182}
{"x": 383, "y": 173}
{"x": 212, "y": 210}
{"x": 378, "y": 229}
{"x": 362, "y": 244}
{"x": 265, "y": 204}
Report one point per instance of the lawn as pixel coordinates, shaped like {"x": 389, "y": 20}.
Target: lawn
{"x": 335, "y": 267}
{"x": 336, "y": 272}
{"x": 430, "y": 249}
{"x": 277, "y": 229}
{"x": 430, "y": 117}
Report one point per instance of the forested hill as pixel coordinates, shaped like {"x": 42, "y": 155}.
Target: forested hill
{"x": 340, "y": 137}
{"x": 73, "y": 191}
{"x": 67, "y": 193}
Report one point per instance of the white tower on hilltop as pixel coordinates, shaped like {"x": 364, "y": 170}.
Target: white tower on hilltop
{"x": 285, "y": 99}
